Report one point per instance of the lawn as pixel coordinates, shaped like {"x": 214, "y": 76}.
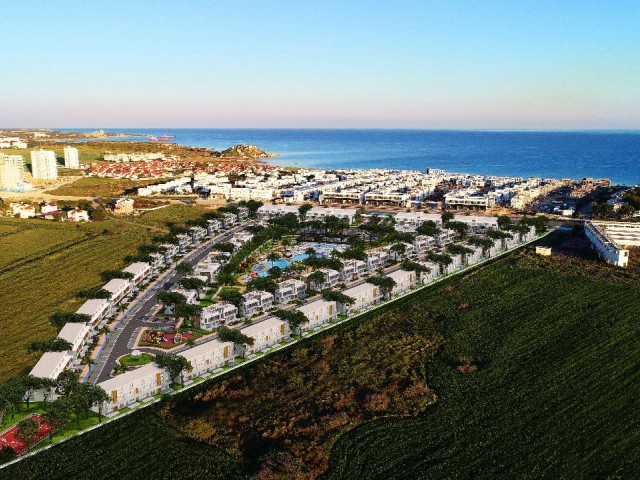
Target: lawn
{"x": 131, "y": 361}
{"x": 520, "y": 369}
{"x": 41, "y": 282}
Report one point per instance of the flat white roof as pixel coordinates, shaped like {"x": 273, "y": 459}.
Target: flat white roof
{"x": 263, "y": 325}
{"x": 205, "y": 348}
{"x": 365, "y": 287}
{"x": 49, "y": 363}
{"x": 398, "y": 274}
{"x": 130, "y": 376}
{"x": 93, "y": 306}
{"x": 313, "y": 306}
{"x": 116, "y": 285}
{"x": 137, "y": 267}
{"x": 73, "y": 332}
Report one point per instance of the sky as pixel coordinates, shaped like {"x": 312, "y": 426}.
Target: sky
{"x": 446, "y": 64}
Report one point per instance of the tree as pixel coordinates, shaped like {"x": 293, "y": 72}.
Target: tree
{"x": 385, "y": 283}
{"x": 428, "y": 228}
{"x": 192, "y": 283}
{"x": 57, "y": 414}
{"x": 398, "y": 249}
{"x": 272, "y": 257}
{"x": 338, "y": 297}
{"x": 311, "y": 252}
{"x": 188, "y": 311}
{"x": 226, "y": 334}
{"x": 111, "y": 274}
{"x": 172, "y": 299}
{"x": 60, "y": 319}
{"x": 95, "y": 396}
{"x": 12, "y": 393}
{"x": 460, "y": 228}
{"x": 303, "y": 210}
{"x": 31, "y": 384}
{"x": 174, "y": 365}
{"x": 317, "y": 277}
{"x": 184, "y": 268}
{"x": 224, "y": 247}
{"x": 504, "y": 222}
{"x": 95, "y": 292}
{"x": 231, "y": 295}
{"x": 262, "y": 283}
{"x": 54, "y": 345}
{"x": 485, "y": 242}
{"x": 443, "y": 260}
{"x": 275, "y": 272}
{"x": 446, "y": 217}
{"x": 28, "y": 430}
{"x": 410, "y": 266}
{"x": 294, "y": 318}
{"x": 457, "y": 249}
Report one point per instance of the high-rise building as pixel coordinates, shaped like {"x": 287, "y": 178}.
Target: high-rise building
{"x": 71, "y": 159}
{"x": 43, "y": 164}
{"x": 11, "y": 172}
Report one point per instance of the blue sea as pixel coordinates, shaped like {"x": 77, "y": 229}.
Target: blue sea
{"x": 548, "y": 154}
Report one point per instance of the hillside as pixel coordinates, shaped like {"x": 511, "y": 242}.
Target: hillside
{"x": 533, "y": 374}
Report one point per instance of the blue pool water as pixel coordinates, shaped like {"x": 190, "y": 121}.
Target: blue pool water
{"x": 281, "y": 263}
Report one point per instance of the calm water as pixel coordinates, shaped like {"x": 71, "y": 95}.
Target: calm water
{"x": 614, "y": 155}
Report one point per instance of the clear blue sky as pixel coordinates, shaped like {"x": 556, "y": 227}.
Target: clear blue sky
{"x": 397, "y": 64}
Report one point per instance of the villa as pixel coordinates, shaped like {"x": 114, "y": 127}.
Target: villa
{"x": 77, "y": 335}
{"x": 376, "y": 259}
{"x": 216, "y": 315}
{"x": 422, "y": 243}
{"x": 170, "y": 251}
{"x": 183, "y": 242}
{"x": 209, "y": 270}
{"x": 133, "y": 386}
{"x": 290, "y": 290}
{"x": 197, "y": 233}
{"x": 318, "y": 313}
{"x": 265, "y": 334}
{"x": 256, "y": 302}
{"x": 331, "y": 279}
{"x": 229, "y": 220}
{"x": 207, "y": 357}
{"x": 213, "y": 226}
{"x": 157, "y": 261}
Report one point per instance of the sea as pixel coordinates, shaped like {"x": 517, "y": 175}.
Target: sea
{"x": 547, "y": 154}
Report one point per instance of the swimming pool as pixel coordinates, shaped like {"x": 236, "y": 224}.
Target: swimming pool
{"x": 263, "y": 272}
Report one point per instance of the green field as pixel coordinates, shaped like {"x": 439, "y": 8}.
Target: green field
{"x": 534, "y": 366}
{"x": 99, "y": 187}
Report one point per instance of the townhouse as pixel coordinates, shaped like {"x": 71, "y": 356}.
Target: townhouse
{"x": 51, "y": 364}
{"x": 97, "y": 309}
{"x": 404, "y": 280}
{"x": 352, "y": 269}
{"x": 170, "y": 252}
{"x": 216, "y": 315}
{"x": 432, "y": 273}
{"x": 422, "y": 243}
{"x": 133, "y": 386}
{"x": 140, "y": 271}
{"x": 213, "y": 226}
{"x": 229, "y": 220}
{"x": 256, "y": 302}
{"x": 119, "y": 288}
{"x": 318, "y": 312}
{"x": 183, "y": 242}
{"x": 77, "y": 334}
{"x": 265, "y": 334}
{"x": 197, "y": 234}
{"x": 376, "y": 259}
{"x": 207, "y": 357}
{"x": 290, "y": 290}
{"x": 364, "y": 295}
{"x": 157, "y": 261}
{"x": 331, "y": 279}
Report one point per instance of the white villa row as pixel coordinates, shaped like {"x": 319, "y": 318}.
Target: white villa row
{"x": 610, "y": 238}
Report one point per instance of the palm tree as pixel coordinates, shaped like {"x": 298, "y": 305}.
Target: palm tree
{"x": 310, "y": 252}
{"x": 272, "y": 257}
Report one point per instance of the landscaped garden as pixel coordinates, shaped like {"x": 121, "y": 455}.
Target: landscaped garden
{"x": 132, "y": 360}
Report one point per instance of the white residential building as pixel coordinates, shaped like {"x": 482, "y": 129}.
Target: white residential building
{"x": 119, "y": 289}
{"x": 11, "y": 172}
{"x": 139, "y": 270}
{"x": 318, "y": 313}
{"x": 265, "y": 334}
{"x": 404, "y": 280}
{"x": 422, "y": 243}
{"x": 207, "y": 357}
{"x": 76, "y": 334}
{"x": 157, "y": 261}
{"x": 170, "y": 251}
{"x": 183, "y": 242}
{"x": 51, "y": 364}
{"x": 43, "y": 164}
{"x": 601, "y": 236}
{"x": 229, "y": 220}
{"x": 213, "y": 226}
{"x": 216, "y": 315}
{"x": 48, "y": 207}
{"x": 331, "y": 279}
{"x": 352, "y": 270}
{"x": 256, "y": 302}
{"x": 96, "y": 308}
{"x": 208, "y": 269}
{"x": 290, "y": 290}
{"x": 364, "y": 295}
{"x": 133, "y": 386}
{"x": 376, "y": 259}
{"x": 23, "y": 210}
{"x": 71, "y": 158}
{"x": 77, "y": 215}
{"x": 197, "y": 233}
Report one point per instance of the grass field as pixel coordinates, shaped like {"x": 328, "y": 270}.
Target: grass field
{"x": 99, "y": 187}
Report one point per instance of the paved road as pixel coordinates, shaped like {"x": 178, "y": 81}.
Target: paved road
{"x": 121, "y": 340}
